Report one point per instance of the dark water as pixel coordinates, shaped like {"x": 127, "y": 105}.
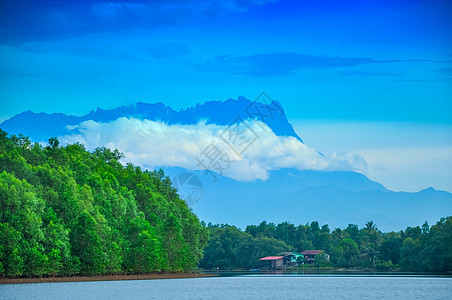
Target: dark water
{"x": 242, "y": 287}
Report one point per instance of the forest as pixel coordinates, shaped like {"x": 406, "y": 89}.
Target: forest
{"x": 415, "y": 249}
{"x": 67, "y": 211}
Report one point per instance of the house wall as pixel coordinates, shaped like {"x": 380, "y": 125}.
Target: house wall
{"x": 277, "y": 264}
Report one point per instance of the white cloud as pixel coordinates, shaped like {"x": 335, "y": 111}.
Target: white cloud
{"x": 151, "y": 144}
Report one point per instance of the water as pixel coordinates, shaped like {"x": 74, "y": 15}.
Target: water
{"x": 242, "y": 287}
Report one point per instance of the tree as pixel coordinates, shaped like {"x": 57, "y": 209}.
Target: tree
{"x": 425, "y": 228}
{"x": 10, "y": 241}
{"x": 410, "y": 255}
{"x": 145, "y": 252}
{"x": 86, "y": 245}
{"x": 352, "y": 231}
{"x": 370, "y": 240}
{"x": 370, "y": 225}
{"x": 321, "y": 261}
{"x": 36, "y": 262}
{"x": 350, "y": 252}
{"x": 436, "y": 252}
{"x": 175, "y": 246}
{"x": 390, "y": 248}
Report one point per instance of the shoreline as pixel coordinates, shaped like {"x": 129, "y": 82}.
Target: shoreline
{"x": 150, "y": 276}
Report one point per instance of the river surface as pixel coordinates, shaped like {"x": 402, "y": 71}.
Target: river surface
{"x": 242, "y": 287}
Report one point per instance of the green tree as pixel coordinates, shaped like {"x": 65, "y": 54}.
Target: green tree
{"x": 370, "y": 242}
{"x": 436, "y": 250}
{"x": 410, "y": 255}
{"x": 87, "y": 246}
{"x": 350, "y": 252}
{"x": 12, "y": 260}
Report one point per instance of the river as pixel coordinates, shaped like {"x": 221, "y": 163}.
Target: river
{"x": 243, "y": 287}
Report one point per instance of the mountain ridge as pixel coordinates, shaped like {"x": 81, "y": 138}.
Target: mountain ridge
{"x": 216, "y": 112}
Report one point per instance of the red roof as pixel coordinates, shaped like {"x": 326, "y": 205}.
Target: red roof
{"x": 272, "y": 258}
{"x": 311, "y": 252}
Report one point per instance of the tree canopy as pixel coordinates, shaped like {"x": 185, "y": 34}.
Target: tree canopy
{"x": 66, "y": 211}
{"x": 415, "y": 249}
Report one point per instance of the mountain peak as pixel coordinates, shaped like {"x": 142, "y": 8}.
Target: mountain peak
{"x": 429, "y": 189}
{"x": 231, "y": 110}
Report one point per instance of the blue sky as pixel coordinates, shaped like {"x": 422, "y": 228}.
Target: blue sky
{"x": 379, "y": 69}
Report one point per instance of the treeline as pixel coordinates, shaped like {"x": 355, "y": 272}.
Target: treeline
{"x": 67, "y": 211}
{"x": 415, "y": 249}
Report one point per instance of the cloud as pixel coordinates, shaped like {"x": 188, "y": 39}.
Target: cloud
{"x": 444, "y": 71}
{"x": 29, "y": 20}
{"x": 150, "y": 144}
{"x": 370, "y": 74}
{"x": 108, "y": 47}
{"x": 283, "y": 64}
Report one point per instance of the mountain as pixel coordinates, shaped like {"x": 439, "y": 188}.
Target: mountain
{"x": 42, "y": 126}
{"x": 334, "y": 198}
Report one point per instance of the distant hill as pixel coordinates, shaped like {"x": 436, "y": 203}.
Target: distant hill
{"x": 334, "y": 198}
{"x": 42, "y": 126}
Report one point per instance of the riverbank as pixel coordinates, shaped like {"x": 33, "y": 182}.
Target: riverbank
{"x": 325, "y": 272}
{"x": 149, "y": 276}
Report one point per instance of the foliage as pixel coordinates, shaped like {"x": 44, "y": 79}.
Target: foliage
{"x": 417, "y": 249}
{"x": 67, "y": 211}
{"x": 231, "y": 248}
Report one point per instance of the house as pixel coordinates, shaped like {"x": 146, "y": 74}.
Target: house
{"x": 286, "y": 259}
{"x": 292, "y": 258}
{"x": 276, "y": 262}
{"x": 309, "y": 255}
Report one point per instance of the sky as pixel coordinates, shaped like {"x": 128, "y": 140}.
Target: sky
{"x": 372, "y": 78}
